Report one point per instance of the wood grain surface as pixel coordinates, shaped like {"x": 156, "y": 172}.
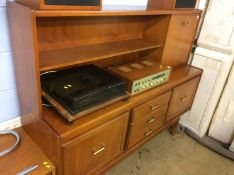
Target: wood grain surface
{"x": 24, "y": 156}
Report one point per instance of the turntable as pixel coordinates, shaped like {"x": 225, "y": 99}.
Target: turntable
{"x": 79, "y": 91}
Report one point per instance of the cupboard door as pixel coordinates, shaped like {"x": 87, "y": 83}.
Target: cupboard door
{"x": 182, "y": 98}
{"x": 180, "y": 37}
{"x": 96, "y": 148}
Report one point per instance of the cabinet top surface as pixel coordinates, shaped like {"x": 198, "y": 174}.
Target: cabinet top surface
{"x": 25, "y": 155}
{"x": 107, "y": 11}
{"x": 178, "y": 76}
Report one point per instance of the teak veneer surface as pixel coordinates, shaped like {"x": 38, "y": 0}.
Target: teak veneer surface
{"x": 110, "y": 13}
{"x": 67, "y": 132}
{"x": 72, "y": 56}
{"x": 128, "y": 11}
{"x": 68, "y": 33}
{"x": 108, "y": 10}
{"x": 25, "y": 155}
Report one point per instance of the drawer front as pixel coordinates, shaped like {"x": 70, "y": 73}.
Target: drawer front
{"x": 142, "y": 133}
{"x": 152, "y": 106}
{"x": 95, "y": 148}
{"x": 182, "y": 98}
{"x": 148, "y": 120}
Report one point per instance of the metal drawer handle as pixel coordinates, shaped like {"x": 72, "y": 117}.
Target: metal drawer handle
{"x": 184, "y": 98}
{"x": 152, "y": 120}
{"x": 155, "y": 107}
{"x": 148, "y": 133}
{"x": 95, "y": 152}
{"x": 28, "y": 170}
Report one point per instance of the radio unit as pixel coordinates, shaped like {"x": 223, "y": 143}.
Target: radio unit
{"x": 142, "y": 75}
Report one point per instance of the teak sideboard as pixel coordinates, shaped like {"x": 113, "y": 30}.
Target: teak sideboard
{"x": 45, "y": 40}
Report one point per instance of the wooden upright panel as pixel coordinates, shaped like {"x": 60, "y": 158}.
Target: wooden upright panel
{"x": 180, "y": 37}
{"x": 25, "y": 54}
{"x": 68, "y": 32}
{"x": 155, "y": 30}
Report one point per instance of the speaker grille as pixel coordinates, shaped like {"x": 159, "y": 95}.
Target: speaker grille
{"x": 185, "y": 4}
{"x": 73, "y": 2}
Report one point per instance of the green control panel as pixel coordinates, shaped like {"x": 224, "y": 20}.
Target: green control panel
{"x": 150, "y": 81}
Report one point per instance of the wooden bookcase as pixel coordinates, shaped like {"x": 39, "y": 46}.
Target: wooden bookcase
{"x": 45, "y": 40}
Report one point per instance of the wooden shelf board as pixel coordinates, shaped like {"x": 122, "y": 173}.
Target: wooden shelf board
{"x": 111, "y": 11}
{"x": 60, "y": 58}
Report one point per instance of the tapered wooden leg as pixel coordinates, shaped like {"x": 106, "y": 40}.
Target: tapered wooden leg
{"x": 173, "y": 128}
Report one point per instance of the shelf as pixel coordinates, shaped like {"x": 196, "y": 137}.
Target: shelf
{"x": 111, "y": 11}
{"x": 60, "y": 58}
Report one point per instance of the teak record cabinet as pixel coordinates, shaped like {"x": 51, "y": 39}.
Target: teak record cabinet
{"x": 44, "y": 40}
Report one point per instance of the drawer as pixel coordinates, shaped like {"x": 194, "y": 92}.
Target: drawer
{"x": 182, "y": 98}
{"x": 148, "y": 120}
{"x": 95, "y": 148}
{"x": 142, "y": 133}
{"x": 152, "y": 106}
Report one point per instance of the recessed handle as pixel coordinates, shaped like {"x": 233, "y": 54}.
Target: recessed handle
{"x": 155, "y": 107}
{"x": 95, "y": 151}
{"x": 184, "y": 98}
{"x": 186, "y": 23}
{"x": 152, "y": 120}
{"x": 148, "y": 133}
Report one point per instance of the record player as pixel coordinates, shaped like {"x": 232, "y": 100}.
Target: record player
{"x": 79, "y": 91}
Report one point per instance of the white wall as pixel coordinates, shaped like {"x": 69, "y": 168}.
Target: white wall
{"x": 218, "y": 28}
{"x": 201, "y": 4}
{"x": 8, "y": 95}
{"x": 126, "y": 2}
{"x": 2, "y": 3}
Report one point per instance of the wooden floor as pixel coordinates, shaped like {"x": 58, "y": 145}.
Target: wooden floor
{"x": 173, "y": 155}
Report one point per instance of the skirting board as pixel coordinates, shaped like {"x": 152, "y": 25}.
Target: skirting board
{"x": 232, "y": 147}
{"x": 10, "y": 124}
{"x": 209, "y": 143}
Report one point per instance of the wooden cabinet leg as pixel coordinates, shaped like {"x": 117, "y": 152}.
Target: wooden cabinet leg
{"x": 173, "y": 128}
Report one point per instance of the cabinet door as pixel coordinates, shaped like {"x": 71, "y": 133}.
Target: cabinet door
{"x": 180, "y": 37}
{"x": 182, "y": 98}
{"x": 96, "y": 148}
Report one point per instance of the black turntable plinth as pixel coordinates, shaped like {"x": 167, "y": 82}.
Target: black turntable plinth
{"x": 74, "y": 92}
